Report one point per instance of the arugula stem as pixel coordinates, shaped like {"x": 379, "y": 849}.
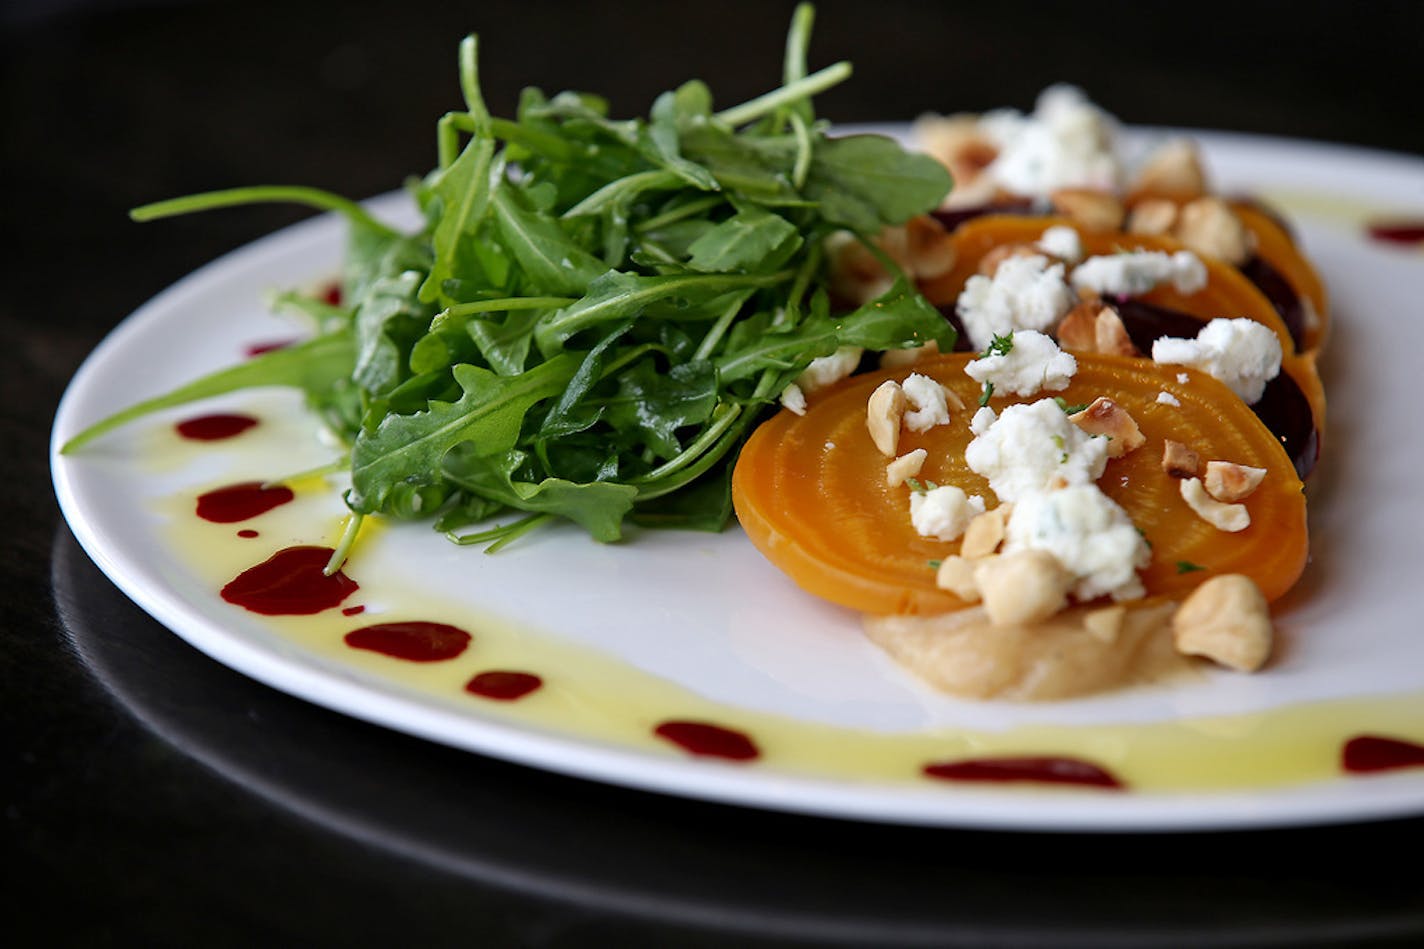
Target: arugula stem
{"x": 719, "y": 328}
{"x": 797, "y": 39}
{"x": 501, "y": 534}
{"x": 263, "y": 194}
{"x": 517, "y": 530}
{"x": 769, "y": 102}
{"x": 344, "y": 545}
{"x": 320, "y": 471}
{"x": 498, "y": 306}
{"x": 691, "y": 209}
{"x": 802, "y": 167}
{"x": 470, "y": 81}
{"x": 630, "y": 184}
{"x": 722, "y": 418}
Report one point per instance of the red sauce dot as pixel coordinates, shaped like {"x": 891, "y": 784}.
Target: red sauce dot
{"x": 238, "y": 502}
{"x": 211, "y": 428}
{"x": 290, "y": 583}
{"x": 708, "y": 740}
{"x": 332, "y": 295}
{"x": 1366, "y": 753}
{"x": 414, "y": 641}
{"x": 353, "y": 610}
{"x": 268, "y": 346}
{"x": 1397, "y": 232}
{"x": 502, "y": 685}
{"x": 1049, "y": 770}
{"x": 247, "y": 532}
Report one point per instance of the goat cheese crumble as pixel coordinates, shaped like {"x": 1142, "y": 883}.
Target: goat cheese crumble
{"x": 1033, "y": 362}
{"x": 927, "y": 403}
{"x": 1140, "y": 271}
{"x": 1029, "y": 446}
{"x": 828, "y": 370}
{"x": 943, "y": 512}
{"x": 1068, "y": 142}
{"x": 1090, "y": 535}
{"x": 1062, "y": 242}
{"x": 1242, "y": 353}
{"x": 1025, "y": 293}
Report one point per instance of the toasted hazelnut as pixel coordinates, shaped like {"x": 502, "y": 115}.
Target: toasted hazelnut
{"x": 986, "y": 532}
{"x": 883, "y": 414}
{"x": 1173, "y": 170}
{"x": 951, "y": 398}
{"x": 1209, "y": 227}
{"x": 1094, "y": 210}
{"x": 1179, "y": 461}
{"x": 989, "y": 263}
{"x": 1104, "y": 624}
{"x": 906, "y": 466}
{"x": 1078, "y": 330}
{"x": 962, "y": 147}
{"x": 1227, "y": 621}
{"x": 1106, "y": 417}
{"x": 1110, "y": 336}
{"x": 904, "y": 358}
{"x": 1225, "y": 517}
{"x": 1227, "y": 481}
{"x": 1152, "y": 216}
{"x": 856, "y": 275}
{"x": 1022, "y": 587}
{"x": 956, "y": 574}
{"x": 929, "y": 250}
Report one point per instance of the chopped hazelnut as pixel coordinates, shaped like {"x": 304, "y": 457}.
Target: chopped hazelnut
{"x": 1209, "y": 227}
{"x": 904, "y": 358}
{"x": 1023, "y": 587}
{"x": 1227, "y": 481}
{"x": 989, "y": 263}
{"x": 929, "y": 250}
{"x": 1110, "y": 336}
{"x": 1152, "y": 216}
{"x": 1104, "y": 624}
{"x": 986, "y": 532}
{"x": 1226, "y": 619}
{"x": 1106, "y": 417}
{"x": 956, "y": 574}
{"x": 1179, "y": 461}
{"x": 961, "y": 146}
{"x": 1078, "y": 330}
{"x": 905, "y": 467}
{"x": 952, "y": 399}
{"x": 883, "y": 414}
{"x": 1094, "y": 210}
{"x": 1226, "y": 517}
{"x": 1173, "y": 170}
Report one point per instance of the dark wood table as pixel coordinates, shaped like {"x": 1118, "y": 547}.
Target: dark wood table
{"x": 152, "y": 796}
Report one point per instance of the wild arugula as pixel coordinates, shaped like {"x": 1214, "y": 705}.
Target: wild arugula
{"x": 596, "y": 311}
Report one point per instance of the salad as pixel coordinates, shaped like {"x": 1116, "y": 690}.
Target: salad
{"x": 596, "y": 310}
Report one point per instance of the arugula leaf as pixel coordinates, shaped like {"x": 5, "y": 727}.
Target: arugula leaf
{"x": 598, "y": 507}
{"x": 866, "y": 182}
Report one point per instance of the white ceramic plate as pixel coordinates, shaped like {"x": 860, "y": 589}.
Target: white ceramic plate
{"x": 658, "y": 607}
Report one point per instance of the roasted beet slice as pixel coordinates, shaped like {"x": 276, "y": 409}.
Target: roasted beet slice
{"x": 1283, "y": 407}
{"x": 1282, "y": 295}
{"x": 953, "y": 217}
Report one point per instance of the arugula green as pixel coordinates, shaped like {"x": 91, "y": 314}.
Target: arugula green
{"x": 596, "y": 312}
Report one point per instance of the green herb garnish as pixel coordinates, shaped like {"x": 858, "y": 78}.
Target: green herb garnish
{"x": 1062, "y": 403}
{"x": 998, "y": 346}
{"x": 595, "y": 311}
{"x": 1186, "y": 566}
{"x": 986, "y": 394}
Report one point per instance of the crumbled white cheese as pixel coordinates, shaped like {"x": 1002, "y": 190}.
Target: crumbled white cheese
{"x": 1066, "y": 143}
{"x": 794, "y": 399}
{"x": 1030, "y": 445}
{"x": 1139, "y": 271}
{"x": 1242, "y": 353}
{"x": 1025, "y": 293}
{"x": 1033, "y": 362}
{"x": 926, "y": 399}
{"x": 1062, "y": 242}
{"x": 943, "y": 512}
{"x": 829, "y": 445}
{"x": 1089, "y": 533}
{"x": 1183, "y": 378}
{"x": 1166, "y": 398}
{"x": 828, "y": 370}
{"x": 982, "y": 419}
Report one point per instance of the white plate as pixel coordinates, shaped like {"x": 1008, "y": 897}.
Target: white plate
{"x": 655, "y": 614}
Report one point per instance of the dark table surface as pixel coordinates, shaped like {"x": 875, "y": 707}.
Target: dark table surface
{"x": 151, "y": 796}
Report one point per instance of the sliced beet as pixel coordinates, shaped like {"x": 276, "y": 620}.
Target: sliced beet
{"x": 1283, "y": 407}
{"x": 1282, "y": 295}
{"x": 951, "y": 218}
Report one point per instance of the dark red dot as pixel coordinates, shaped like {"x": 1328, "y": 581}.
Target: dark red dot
{"x": 353, "y": 610}
{"x": 239, "y": 502}
{"x": 1049, "y": 770}
{"x": 290, "y": 583}
{"x": 1397, "y": 232}
{"x": 708, "y": 740}
{"x": 413, "y": 641}
{"x": 212, "y": 428}
{"x": 247, "y": 532}
{"x": 503, "y": 685}
{"x": 268, "y": 346}
{"x": 1364, "y": 754}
